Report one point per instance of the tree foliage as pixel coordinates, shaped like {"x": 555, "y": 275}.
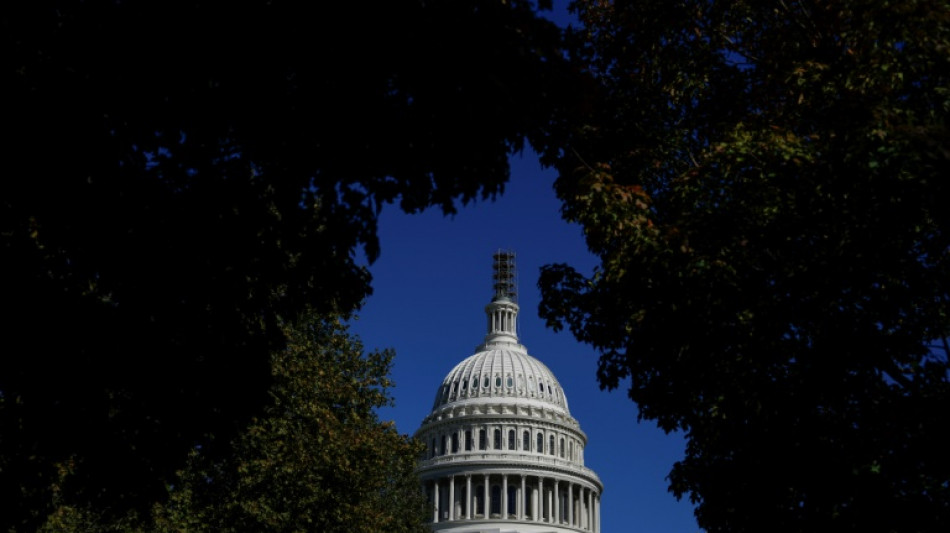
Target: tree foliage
{"x": 317, "y": 459}
{"x": 180, "y": 177}
{"x": 765, "y": 184}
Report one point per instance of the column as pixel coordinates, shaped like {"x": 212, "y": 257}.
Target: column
{"x": 487, "y": 496}
{"x": 581, "y": 505}
{"x": 538, "y": 504}
{"x": 557, "y": 504}
{"x": 590, "y": 510}
{"x": 581, "y": 509}
{"x": 435, "y": 508}
{"x": 570, "y": 504}
{"x": 597, "y": 513}
{"x": 550, "y": 499}
{"x": 504, "y": 496}
{"x": 451, "y": 498}
{"x": 583, "y": 496}
{"x": 469, "y": 499}
{"x": 522, "y": 497}
{"x": 540, "y": 499}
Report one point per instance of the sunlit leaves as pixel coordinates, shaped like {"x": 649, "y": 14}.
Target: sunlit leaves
{"x": 765, "y": 187}
{"x": 317, "y": 460}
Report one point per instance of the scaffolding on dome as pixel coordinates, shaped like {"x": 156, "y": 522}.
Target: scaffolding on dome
{"x": 504, "y": 275}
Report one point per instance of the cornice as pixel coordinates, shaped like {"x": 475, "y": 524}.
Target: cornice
{"x": 522, "y": 464}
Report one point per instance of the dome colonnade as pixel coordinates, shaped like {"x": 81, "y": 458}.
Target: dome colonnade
{"x": 503, "y": 450}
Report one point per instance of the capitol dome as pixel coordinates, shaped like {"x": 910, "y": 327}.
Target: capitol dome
{"x": 504, "y": 454}
{"x": 501, "y": 373}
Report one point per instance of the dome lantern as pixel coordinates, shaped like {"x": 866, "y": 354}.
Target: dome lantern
{"x": 503, "y": 310}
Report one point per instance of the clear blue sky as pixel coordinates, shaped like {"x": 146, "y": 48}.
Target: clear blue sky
{"x": 431, "y": 284}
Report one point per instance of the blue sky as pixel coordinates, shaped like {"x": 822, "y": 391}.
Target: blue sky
{"x": 431, "y": 284}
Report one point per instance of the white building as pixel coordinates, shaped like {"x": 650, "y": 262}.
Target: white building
{"x": 504, "y": 454}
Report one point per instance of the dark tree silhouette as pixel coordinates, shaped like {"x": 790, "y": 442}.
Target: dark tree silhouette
{"x": 181, "y": 175}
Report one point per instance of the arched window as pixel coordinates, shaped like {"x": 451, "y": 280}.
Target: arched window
{"x": 562, "y": 448}
{"x": 464, "y": 384}
{"x": 541, "y": 387}
{"x": 433, "y": 451}
{"x": 572, "y": 450}
{"x": 511, "y": 439}
{"x": 495, "y": 499}
{"x": 511, "y": 382}
{"x": 475, "y": 382}
{"x": 482, "y": 439}
{"x": 512, "y": 500}
{"x": 526, "y": 442}
{"x": 551, "y": 445}
{"x": 468, "y": 440}
{"x": 497, "y": 382}
{"x": 540, "y": 447}
{"x": 497, "y": 439}
{"x": 455, "y": 443}
{"x": 443, "y": 445}
{"x": 485, "y": 382}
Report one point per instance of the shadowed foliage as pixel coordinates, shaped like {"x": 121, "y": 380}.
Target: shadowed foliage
{"x": 181, "y": 176}
{"x": 765, "y": 184}
{"x": 317, "y": 459}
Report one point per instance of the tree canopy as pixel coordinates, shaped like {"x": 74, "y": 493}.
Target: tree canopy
{"x": 181, "y": 177}
{"x": 317, "y": 459}
{"x": 765, "y": 184}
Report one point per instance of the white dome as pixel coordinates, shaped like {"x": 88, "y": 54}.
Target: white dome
{"x": 503, "y": 452}
{"x": 498, "y": 374}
